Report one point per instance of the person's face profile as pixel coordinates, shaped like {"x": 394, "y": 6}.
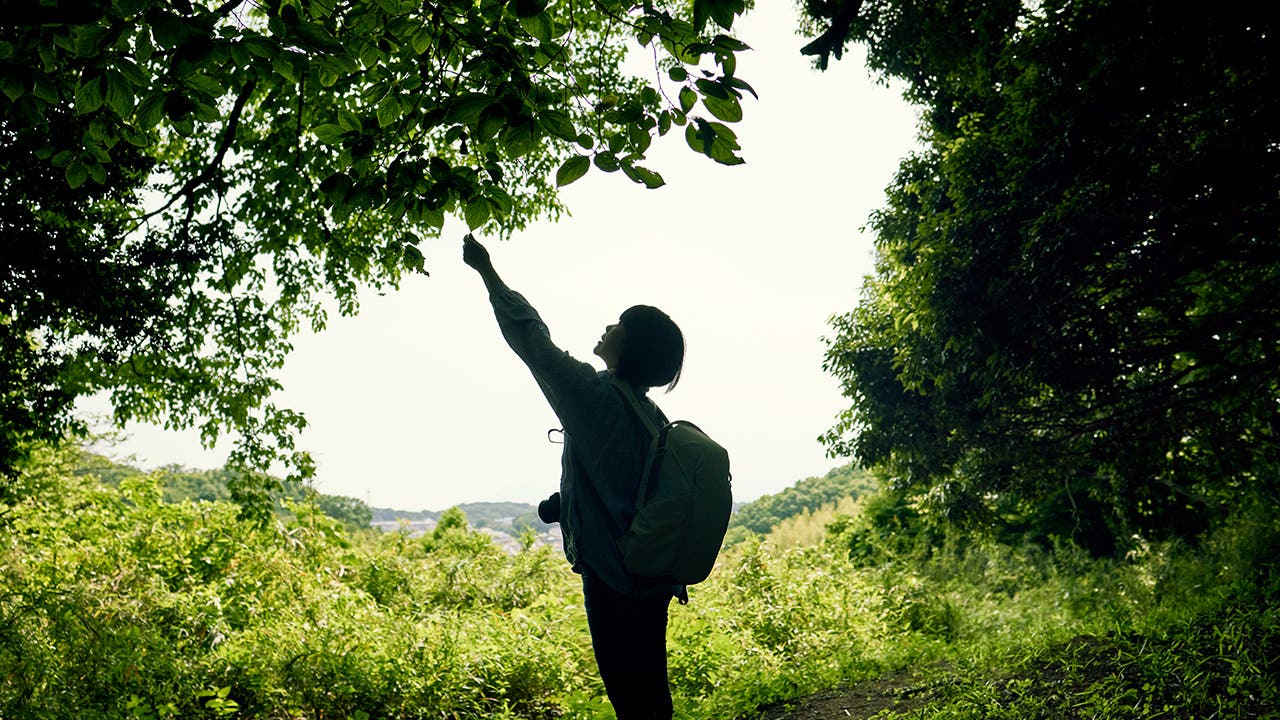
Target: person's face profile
{"x": 609, "y": 348}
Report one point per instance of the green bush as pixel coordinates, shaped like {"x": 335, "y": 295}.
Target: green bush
{"x": 117, "y": 604}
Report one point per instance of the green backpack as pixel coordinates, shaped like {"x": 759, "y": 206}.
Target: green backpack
{"x": 683, "y": 505}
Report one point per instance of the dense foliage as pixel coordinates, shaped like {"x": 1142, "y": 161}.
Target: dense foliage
{"x": 1074, "y": 321}
{"x": 764, "y": 513}
{"x": 186, "y": 184}
{"x": 117, "y": 604}
{"x": 178, "y": 484}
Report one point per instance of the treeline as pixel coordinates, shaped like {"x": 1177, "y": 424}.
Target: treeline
{"x": 178, "y": 484}
{"x": 804, "y": 497}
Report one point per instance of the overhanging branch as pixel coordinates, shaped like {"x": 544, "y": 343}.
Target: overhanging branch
{"x": 215, "y": 163}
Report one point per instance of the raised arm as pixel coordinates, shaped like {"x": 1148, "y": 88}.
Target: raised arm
{"x": 573, "y": 388}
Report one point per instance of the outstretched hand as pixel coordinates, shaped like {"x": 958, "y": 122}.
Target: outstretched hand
{"x": 474, "y": 254}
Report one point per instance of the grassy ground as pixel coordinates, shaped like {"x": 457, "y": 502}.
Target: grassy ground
{"x": 1224, "y": 666}
{"x": 117, "y": 605}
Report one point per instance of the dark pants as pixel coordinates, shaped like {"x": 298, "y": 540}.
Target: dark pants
{"x": 629, "y": 636}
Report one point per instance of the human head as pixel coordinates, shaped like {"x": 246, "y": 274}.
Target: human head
{"x": 652, "y": 351}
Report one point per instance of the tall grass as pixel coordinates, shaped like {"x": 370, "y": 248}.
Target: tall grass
{"x": 115, "y": 604}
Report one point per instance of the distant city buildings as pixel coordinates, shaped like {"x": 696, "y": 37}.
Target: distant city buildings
{"x": 504, "y": 536}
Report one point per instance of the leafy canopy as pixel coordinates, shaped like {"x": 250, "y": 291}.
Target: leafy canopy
{"x": 187, "y": 184}
{"x": 1074, "y": 319}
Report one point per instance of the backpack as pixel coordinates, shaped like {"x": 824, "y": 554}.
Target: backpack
{"x": 683, "y": 504}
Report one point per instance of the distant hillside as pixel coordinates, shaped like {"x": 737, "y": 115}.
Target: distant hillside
{"x": 180, "y": 484}
{"x": 508, "y": 517}
{"x": 765, "y": 513}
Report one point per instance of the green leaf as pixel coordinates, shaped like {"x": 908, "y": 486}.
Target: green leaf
{"x": 204, "y": 109}
{"x": 728, "y": 63}
{"x": 131, "y": 72}
{"x": 715, "y": 140}
{"x": 413, "y": 258}
{"x": 89, "y": 95}
{"x": 328, "y": 133}
{"x": 559, "y": 125}
{"x": 348, "y": 121}
{"x": 491, "y": 123}
{"x": 259, "y": 45}
{"x": 519, "y": 139}
{"x": 711, "y": 88}
{"x": 727, "y": 110}
{"x": 433, "y": 217}
{"x": 606, "y": 161}
{"x": 168, "y": 29}
{"x": 678, "y": 74}
{"x": 477, "y": 212}
{"x": 12, "y": 87}
{"x": 76, "y": 174}
{"x": 723, "y": 12}
{"x": 284, "y": 68}
{"x": 88, "y": 38}
{"x": 466, "y": 109}
{"x": 500, "y": 200}
{"x": 729, "y": 43}
{"x": 150, "y": 111}
{"x": 316, "y": 36}
{"x": 321, "y": 9}
{"x": 205, "y": 84}
{"x": 701, "y": 10}
{"x": 45, "y": 90}
{"x": 723, "y": 145}
{"x": 389, "y": 111}
{"x": 740, "y": 84}
{"x": 540, "y": 26}
{"x": 572, "y": 169}
{"x": 640, "y": 139}
{"x": 422, "y": 40}
{"x": 143, "y": 48}
{"x": 644, "y": 176}
{"x": 680, "y": 39}
{"x": 98, "y": 173}
{"x": 336, "y": 187}
{"x": 687, "y": 99}
{"x": 119, "y": 94}
{"x": 699, "y": 137}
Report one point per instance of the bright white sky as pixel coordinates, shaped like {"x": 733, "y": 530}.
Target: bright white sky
{"x": 417, "y": 403}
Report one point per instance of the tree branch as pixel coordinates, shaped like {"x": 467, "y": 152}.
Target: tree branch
{"x": 228, "y": 137}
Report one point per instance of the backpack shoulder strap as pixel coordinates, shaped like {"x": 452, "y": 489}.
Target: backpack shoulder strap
{"x": 627, "y": 394}
{"x": 654, "y": 437}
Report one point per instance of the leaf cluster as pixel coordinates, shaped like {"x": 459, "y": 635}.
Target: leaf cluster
{"x": 187, "y": 184}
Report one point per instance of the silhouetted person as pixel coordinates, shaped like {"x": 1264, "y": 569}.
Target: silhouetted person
{"x": 603, "y": 457}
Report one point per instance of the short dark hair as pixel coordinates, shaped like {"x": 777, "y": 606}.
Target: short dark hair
{"x": 652, "y": 348}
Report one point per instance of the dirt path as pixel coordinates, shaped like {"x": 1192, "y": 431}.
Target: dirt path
{"x": 900, "y": 692}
